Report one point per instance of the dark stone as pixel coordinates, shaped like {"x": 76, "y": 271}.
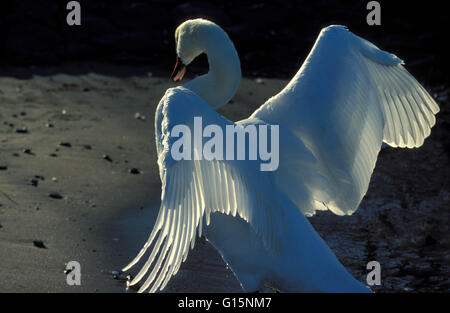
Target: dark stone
{"x": 107, "y": 158}
{"x": 55, "y": 195}
{"x": 66, "y": 144}
{"x": 39, "y": 244}
{"x": 22, "y": 130}
{"x": 134, "y": 171}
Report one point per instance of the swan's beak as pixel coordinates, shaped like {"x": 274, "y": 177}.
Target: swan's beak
{"x": 178, "y": 71}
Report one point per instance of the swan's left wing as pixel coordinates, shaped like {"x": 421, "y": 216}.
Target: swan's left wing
{"x": 193, "y": 189}
{"x": 347, "y": 98}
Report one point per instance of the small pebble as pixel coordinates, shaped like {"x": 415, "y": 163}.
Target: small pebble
{"x": 53, "y": 155}
{"x": 28, "y": 151}
{"x": 87, "y": 147}
{"x": 3, "y": 167}
{"x": 139, "y": 116}
{"x": 107, "y": 158}
{"x": 408, "y": 289}
{"x": 55, "y": 195}
{"x": 39, "y": 244}
{"x": 134, "y": 171}
{"x": 65, "y": 144}
{"x": 22, "y": 130}
{"x": 54, "y": 179}
{"x": 34, "y": 182}
{"x": 260, "y": 81}
{"x": 49, "y": 125}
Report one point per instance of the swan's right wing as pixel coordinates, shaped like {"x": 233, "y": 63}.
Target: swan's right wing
{"x": 347, "y": 98}
{"x": 193, "y": 189}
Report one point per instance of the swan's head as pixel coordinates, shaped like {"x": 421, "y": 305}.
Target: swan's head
{"x": 198, "y": 36}
{"x": 193, "y": 38}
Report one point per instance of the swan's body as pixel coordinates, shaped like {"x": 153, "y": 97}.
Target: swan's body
{"x": 347, "y": 98}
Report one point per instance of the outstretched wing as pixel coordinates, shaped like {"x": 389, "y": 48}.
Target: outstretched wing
{"x": 192, "y": 189}
{"x": 347, "y": 98}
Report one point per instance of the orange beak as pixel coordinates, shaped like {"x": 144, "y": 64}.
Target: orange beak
{"x": 178, "y": 71}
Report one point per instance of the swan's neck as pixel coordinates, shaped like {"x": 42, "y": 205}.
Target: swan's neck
{"x": 220, "y": 84}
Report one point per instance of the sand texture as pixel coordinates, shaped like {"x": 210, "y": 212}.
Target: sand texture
{"x": 79, "y": 181}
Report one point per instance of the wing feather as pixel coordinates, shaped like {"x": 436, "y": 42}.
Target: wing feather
{"x": 347, "y": 98}
{"x": 191, "y": 191}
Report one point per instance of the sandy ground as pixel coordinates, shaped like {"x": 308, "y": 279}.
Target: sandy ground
{"x": 77, "y": 136}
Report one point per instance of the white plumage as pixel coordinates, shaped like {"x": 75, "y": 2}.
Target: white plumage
{"x": 347, "y": 98}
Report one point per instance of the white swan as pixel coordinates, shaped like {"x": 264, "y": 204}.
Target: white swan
{"x": 346, "y": 99}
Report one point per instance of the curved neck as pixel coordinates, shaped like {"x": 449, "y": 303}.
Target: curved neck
{"x": 220, "y": 84}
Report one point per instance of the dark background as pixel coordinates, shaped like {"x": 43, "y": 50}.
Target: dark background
{"x": 403, "y": 221}
{"x": 272, "y": 37}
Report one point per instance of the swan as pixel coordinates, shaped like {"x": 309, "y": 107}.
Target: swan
{"x": 346, "y": 100}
